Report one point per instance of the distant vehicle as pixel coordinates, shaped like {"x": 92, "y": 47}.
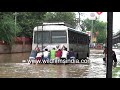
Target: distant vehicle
{"x": 115, "y": 46}
{"x": 57, "y": 35}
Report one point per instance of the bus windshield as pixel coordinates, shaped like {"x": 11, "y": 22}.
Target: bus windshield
{"x": 42, "y": 37}
{"x": 59, "y": 37}
{"x": 50, "y": 37}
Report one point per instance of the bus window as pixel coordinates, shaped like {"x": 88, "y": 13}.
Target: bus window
{"x": 59, "y": 36}
{"x": 42, "y": 36}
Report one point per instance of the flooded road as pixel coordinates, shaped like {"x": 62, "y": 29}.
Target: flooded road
{"x": 96, "y": 68}
{"x": 14, "y": 57}
{"x": 25, "y": 70}
{"x": 12, "y": 67}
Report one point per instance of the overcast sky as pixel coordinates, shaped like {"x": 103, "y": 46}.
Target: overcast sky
{"x": 103, "y": 17}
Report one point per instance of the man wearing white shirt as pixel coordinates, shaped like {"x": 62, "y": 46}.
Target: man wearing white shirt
{"x": 64, "y": 54}
{"x": 46, "y": 54}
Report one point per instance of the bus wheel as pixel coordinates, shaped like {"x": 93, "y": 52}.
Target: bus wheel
{"x": 77, "y": 56}
{"x": 87, "y": 54}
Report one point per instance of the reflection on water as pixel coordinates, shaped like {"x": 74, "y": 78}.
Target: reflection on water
{"x": 11, "y": 66}
{"x": 13, "y": 58}
{"x": 25, "y": 70}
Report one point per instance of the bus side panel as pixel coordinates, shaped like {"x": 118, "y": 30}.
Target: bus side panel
{"x": 81, "y": 51}
{"x": 80, "y": 43}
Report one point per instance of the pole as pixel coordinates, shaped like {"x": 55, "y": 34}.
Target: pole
{"x": 15, "y": 24}
{"x": 91, "y": 32}
{"x": 109, "y": 44}
{"x": 15, "y": 21}
{"x": 42, "y": 38}
{"x": 15, "y": 14}
{"x": 79, "y": 22}
{"x": 42, "y": 41}
{"x": 79, "y": 18}
{"x": 37, "y": 35}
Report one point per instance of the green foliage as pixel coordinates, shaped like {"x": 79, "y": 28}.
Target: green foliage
{"x": 67, "y": 17}
{"x": 98, "y": 26}
{"x": 101, "y": 38}
{"x": 7, "y": 28}
{"x": 86, "y": 24}
{"x": 116, "y": 71}
{"x": 27, "y": 21}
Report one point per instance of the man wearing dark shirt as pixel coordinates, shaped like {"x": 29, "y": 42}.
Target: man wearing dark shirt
{"x": 33, "y": 55}
{"x": 71, "y": 54}
{"x": 114, "y": 58}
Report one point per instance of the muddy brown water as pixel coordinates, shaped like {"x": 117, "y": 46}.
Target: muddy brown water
{"x": 11, "y": 66}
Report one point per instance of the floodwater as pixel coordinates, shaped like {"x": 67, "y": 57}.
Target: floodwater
{"x": 13, "y": 58}
{"x": 11, "y": 66}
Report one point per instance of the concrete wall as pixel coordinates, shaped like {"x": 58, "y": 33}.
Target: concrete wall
{"x": 15, "y": 48}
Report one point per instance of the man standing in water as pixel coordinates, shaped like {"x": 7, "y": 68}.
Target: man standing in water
{"x": 105, "y": 55}
{"x": 114, "y": 58}
{"x": 52, "y": 54}
{"x": 33, "y": 55}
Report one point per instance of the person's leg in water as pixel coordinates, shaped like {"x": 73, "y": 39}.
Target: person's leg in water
{"x": 104, "y": 60}
{"x": 114, "y": 62}
{"x": 38, "y": 60}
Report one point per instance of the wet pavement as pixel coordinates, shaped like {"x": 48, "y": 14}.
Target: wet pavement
{"x": 14, "y": 57}
{"x": 117, "y": 51}
{"x": 116, "y": 70}
{"x": 95, "y": 69}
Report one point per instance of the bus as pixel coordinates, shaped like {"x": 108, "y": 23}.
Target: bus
{"x": 57, "y": 35}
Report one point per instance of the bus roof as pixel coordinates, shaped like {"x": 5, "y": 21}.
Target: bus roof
{"x": 74, "y": 30}
{"x": 52, "y": 26}
{"x": 56, "y": 26}
{"x": 58, "y": 23}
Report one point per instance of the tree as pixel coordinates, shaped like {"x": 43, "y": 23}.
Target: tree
{"x": 67, "y": 17}
{"x": 86, "y": 24}
{"x": 100, "y": 26}
{"x": 7, "y": 27}
{"x": 27, "y": 21}
{"x": 99, "y": 29}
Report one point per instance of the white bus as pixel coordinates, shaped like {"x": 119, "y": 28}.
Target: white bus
{"x": 52, "y": 35}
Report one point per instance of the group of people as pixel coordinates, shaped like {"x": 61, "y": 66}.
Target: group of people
{"x": 54, "y": 54}
{"x": 114, "y": 58}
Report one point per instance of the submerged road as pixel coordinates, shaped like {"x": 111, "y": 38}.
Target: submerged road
{"x": 95, "y": 69}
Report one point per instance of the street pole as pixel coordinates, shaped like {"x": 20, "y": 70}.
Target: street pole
{"x": 109, "y": 44}
{"x": 37, "y": 35}
{"x": 79, "y": 22}
{"x": 15, "y": 24}
{"x": 79, "y": 18}
{"x": 42, "y": 38}
{"x": 15, "y": 21}
{"x": 91, "y": 32}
